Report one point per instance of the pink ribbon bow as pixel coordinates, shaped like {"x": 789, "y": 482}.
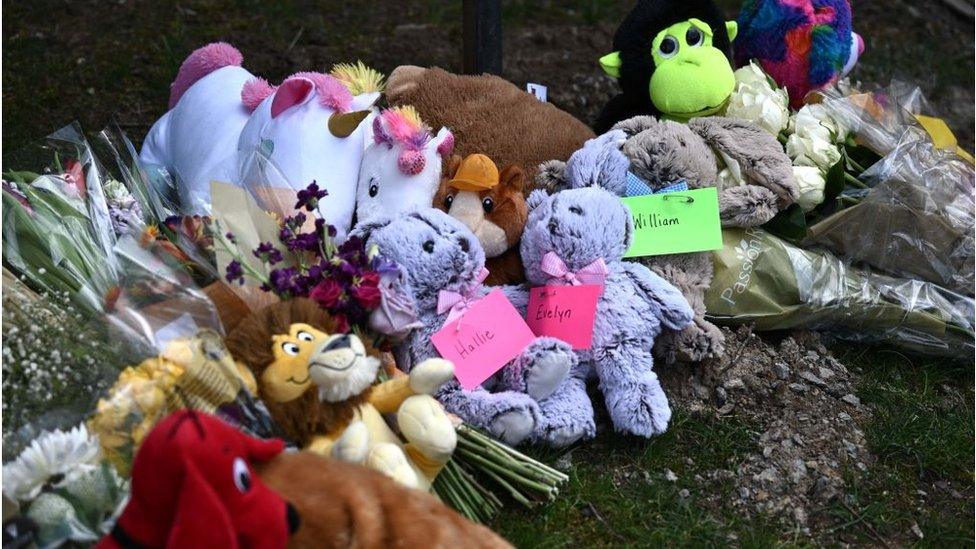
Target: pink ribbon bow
{"x": 594, "y": 273}
{"x": 454, "y": 303}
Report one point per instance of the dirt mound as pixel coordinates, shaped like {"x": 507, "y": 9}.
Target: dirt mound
{"x": 807, "y": 419}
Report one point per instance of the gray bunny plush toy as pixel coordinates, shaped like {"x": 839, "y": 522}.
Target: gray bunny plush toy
{"x": 748, "y": 165}
{"x": 524, "y": 400}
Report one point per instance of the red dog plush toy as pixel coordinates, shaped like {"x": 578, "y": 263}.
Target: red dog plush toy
{"x": 193, "y": 486}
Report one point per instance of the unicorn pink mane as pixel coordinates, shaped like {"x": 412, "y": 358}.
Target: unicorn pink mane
{"x": 398, "y": 126}
{"x": 402, "y": 126}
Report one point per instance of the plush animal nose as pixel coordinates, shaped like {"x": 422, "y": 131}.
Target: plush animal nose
{"x": 553, "y": 226}
{"x": 341, "y": 342}
{"x": 294, "y": 521}
{"x": 465, "y": 244}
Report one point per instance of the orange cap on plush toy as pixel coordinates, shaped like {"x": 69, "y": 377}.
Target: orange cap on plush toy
{"x": 477, "y": 172}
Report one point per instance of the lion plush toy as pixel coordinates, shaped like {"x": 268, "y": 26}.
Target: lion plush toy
{"x": 493, "y": 206}
{"x": 318, "y": 386}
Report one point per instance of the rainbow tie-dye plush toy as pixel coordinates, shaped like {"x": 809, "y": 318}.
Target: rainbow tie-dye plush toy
{"x": 805, "y": 45}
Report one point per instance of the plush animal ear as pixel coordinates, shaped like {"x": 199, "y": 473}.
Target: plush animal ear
{"x": 291, "y": 92}
{"x": 512, "y": 176}
{"x": 445, "y": 142}
{"x": 611, "y": 64}
{"x": 452, "y": 166}
{"x": 551, "y": 176}
{"x": 732, "y": 28}
{"x": 262, "y": 449}
{"x": 365, "y": 230}
{"x": 201, "y": 517}
{"x": 536, "y": 199}
{"x": 757, "y": 152}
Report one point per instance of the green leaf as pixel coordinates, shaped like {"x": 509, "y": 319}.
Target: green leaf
{"x": 790, "y": 224}
{"x": 835, "y": 179}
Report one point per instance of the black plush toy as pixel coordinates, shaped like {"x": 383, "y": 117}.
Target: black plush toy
{"x": 672, "y": 58}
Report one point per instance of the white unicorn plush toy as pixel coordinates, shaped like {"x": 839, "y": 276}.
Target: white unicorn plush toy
{"x": 222, "y": 117}
{"x": 401, "y": 168}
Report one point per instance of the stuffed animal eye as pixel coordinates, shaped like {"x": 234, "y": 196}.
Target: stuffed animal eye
{"x": 373, "y": 188}
{"x": 488, "y": 204}
{"x": 242, "y": 476}
{"x": 576, "y": 210}
{"x": 668, "y": 47}
{"x": 448, "y": 200}
{"x": 429, "y": 246}
{"x": 290, "y": 348}
{"x": 694, "y": 37}
{"x": 305, "y": 336}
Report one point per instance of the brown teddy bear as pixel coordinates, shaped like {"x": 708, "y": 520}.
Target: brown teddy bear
{"x": 489, "y": 115}
{"x": 493, "y": 206}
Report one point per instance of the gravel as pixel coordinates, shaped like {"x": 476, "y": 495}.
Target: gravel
{"x": 806, "y": 425}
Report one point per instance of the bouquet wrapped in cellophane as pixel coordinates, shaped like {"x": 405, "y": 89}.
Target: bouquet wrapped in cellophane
{"x": 105, "y": 331}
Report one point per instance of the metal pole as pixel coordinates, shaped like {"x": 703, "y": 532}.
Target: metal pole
{"x": 482, "y": 36}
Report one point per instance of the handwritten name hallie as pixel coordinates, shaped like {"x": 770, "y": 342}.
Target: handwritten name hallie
{"x": 471, "y": 344}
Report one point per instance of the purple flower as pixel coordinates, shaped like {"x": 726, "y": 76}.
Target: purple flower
{"x": 235, "y": 273}
{"x": 295, "y": 222}
{"x": 231, "y": 238}
{"x": 283, "y": 281}
{"x": 309, "y": 198}
{"x": 267, "y": 253}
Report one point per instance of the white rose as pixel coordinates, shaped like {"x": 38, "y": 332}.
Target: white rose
{"x": 756, "y": 100}
{"x": 816, "y": 120}
{"x": 751, "y": 74}
{"x": 812, "y": 150}
{"x": 810, "y": 184}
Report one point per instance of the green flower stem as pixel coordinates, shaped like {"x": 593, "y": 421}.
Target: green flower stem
{"x": 492, "y": 443}
{"x": 235, "y": 253}
{"x": 853, "y": 181}
{"x": 518, "y": 496}
{"x": 534, "y": 485}
{"x": 507, "y": 461}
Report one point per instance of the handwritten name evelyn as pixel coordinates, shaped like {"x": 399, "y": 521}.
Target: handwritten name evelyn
{"x": 473, "y": 342}
{"x": 653, "y": 221}
{"x": 555, "y": 312}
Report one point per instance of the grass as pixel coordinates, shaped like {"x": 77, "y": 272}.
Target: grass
{"x": 921, "y": 433}
{"x": 618, "y": 494}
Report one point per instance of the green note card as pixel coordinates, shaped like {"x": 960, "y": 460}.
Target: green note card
{"x": 675, "y": 223}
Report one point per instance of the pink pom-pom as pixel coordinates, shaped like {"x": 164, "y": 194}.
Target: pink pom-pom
{"x": 200, "y": 63}
{"x": 255, "y": 91}
{"x": 411, "y": 162}
{"x": 446, "y": 146}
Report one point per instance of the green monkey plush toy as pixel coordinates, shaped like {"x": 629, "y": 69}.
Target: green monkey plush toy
{"x": 671, "y": 59}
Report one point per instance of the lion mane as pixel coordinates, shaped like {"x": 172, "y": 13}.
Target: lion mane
{"x": 250, "y": 343}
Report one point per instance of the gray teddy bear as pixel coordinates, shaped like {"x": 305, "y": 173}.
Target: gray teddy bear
{"x": 587, "y": 226}
{"x": 759, "y": 183}
{"x": 525, "y": 399}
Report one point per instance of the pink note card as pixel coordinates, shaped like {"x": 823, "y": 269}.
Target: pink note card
{"x": 564, "y": 312}
{"x": 486, "y": 337}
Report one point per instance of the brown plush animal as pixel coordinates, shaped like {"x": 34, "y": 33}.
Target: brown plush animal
{"x": 343, "y": 505}
{"x": 489, "y": 115}
{"x": 493, "y": 206}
